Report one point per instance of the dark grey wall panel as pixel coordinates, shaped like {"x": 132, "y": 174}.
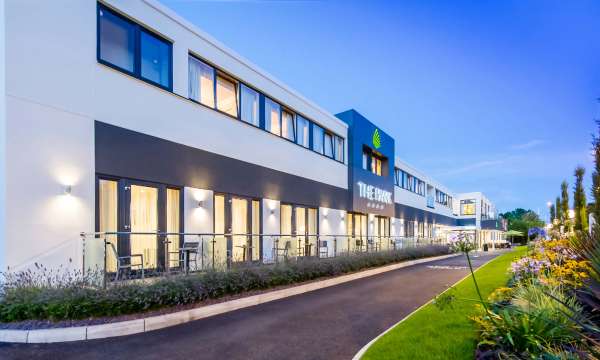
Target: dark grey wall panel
{"x": 125, "y": 153}
{"x": 411, "y": 213}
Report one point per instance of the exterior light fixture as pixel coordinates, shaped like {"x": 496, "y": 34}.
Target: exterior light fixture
{"x": 272, "y": 211}
{"x": 67, "y": 190}
{"x": 324, "y": 216}
{"x": 200, "y": 203}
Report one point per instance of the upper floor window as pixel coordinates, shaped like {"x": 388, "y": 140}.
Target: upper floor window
{"x": 317, "y": 135}
{"x": 201, "y": 82}
{"x": 339, "y": 148}
{"x": 272, "y": 116}
{"x": 227, "y": 96}
{"x": 302, "y": 134}
{"x": 328, "y": 145}
{"x": 372, "y": 162}
{"x": 287, "y": 125}
{"x": 467, "y": 207}
{"x": 117, "y": 47}
{"x": 249, "y": 105}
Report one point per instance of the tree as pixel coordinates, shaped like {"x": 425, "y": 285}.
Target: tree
{"x": 558, "y": 209}
{"x": 552, "y": 213}
{"x": 522, "y": 220}
{"x": 596, "y": 175}
{"x": 580, "y": 203}
{"x": 564, "y": 203}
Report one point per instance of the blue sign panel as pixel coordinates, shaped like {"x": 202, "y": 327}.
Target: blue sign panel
{"x": 370, "y": 166}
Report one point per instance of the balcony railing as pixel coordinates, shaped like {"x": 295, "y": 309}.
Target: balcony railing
{"x": 127, "y": 255}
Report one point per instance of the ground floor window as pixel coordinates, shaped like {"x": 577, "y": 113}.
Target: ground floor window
{"x": 237, "y": 222}
{"x": 137, "y": 211}
{"x": 299, "y": 230}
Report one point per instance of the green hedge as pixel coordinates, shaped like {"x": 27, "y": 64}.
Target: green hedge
{"x": 31, "y": 298}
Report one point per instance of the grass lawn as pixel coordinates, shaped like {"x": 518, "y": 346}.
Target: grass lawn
{"x": 449, "y": 334}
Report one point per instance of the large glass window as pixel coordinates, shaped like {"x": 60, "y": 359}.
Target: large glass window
{"x": 317, "y": 135}
{"x": 272, "y": 120}
{"x": 249, "y": 110}
{"x": 155, "y": 59}
{"x": 287, "y": 125}
{"x": 227, "y": 96}
{"x": 201, "y": 82}
{"x": 129, "y": 47}
{"x": 117, "y": 40}
{"x": 302, "y": 131}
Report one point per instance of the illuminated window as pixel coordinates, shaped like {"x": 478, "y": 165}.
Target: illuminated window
{"x": 227, "y": 96}
{"x": 467, "y": 207}
{"x": 328, "y": 145}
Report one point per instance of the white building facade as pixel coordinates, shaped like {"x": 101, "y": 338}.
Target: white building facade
{"x": 121, "y": 117}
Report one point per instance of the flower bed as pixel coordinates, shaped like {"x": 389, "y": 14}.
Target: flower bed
{"x": 44, "y": 296}
{"x": 539, "y": 315}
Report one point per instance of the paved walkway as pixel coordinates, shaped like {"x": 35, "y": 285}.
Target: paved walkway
{"x": 331, "y": 323}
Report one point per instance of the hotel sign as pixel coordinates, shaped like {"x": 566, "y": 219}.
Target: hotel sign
{"x": 378, "y": 197}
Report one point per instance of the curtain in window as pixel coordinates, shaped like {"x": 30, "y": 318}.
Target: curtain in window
{"x": 302, "y": 131}
{"x": 219, "y": 253}
{"x": 318, "y": 138}
{"x": 107, "y": 211}
{"x": 144, "y": 218}
{"x": 272, "y": 121}
{"x": 339, "y": 148}
{"x": 226, "y": 96}
{"x": 173, "y": 226}
{"x": 201, "y": 82}
{"x": 249, "y": 110}
{"x": 328, "y": 145}
{"x": 239, "y": 225}
{"x": 287, "y": 125}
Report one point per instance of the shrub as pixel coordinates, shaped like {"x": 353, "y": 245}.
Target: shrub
{"x": 35, "y": 295}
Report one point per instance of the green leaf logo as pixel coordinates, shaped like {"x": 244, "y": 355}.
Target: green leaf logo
{"x": 376, "y": 139}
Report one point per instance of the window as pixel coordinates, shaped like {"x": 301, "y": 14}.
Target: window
{"x": 376, "y": 165}
{"x": 249, "y": 109}
{"x": 328, "y": 145}
{"x": 372, "y": 162}
{"x": 339, "y": 148}
{"x": 201, "y": 82}
{"x": 467, "y": 207}
{"x": 302, "y": 131}
{"x": 317, "y": 135}
{"x": 227, "y": 96}
{"x": 272, "y": 121}
{"x": 126, "y": 46}
{"x": 287, "y": 125}
{"x": 117, "y": 40}
{"x": 156, "y": 59}
{"x": 365, "y": 161}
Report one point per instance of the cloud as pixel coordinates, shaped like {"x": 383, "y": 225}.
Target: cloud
{"x": 528, "y": 145}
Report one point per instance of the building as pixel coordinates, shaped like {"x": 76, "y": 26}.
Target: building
{"x": 120, "y": 116}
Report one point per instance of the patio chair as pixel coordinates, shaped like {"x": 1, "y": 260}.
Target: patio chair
{"x": 188, "y": 254}
{"x": 123, "y": 264}
{"x": 283, "y": 251}
{"x": 323, "y": 249}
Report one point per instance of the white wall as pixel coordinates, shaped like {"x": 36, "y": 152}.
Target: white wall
{"x": 332, "y": 222}
{"x": 3, "y": 252}
{"x": 196, "y": 218}
{"x": 271, "y": 225}
{"x": 55, "y": 89}
{"x": 47, "y": 149}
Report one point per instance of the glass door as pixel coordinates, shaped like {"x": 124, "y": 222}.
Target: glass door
{"x": 138, "y": 211}
{"x": 143, "y": 218}
{"x": 381, "y": 233}
{"x": 239, "y": 229}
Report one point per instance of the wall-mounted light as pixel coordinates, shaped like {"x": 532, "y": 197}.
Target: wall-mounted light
{"x": 324, "y": 216}
{"x": 342, "y": 217}
{"x": 67, "y": 189}
{"x": 200, "y": 203}
{"x": 272, "y": 211}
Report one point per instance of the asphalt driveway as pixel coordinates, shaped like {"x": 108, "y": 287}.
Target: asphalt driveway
{"x": 331, "y": 323}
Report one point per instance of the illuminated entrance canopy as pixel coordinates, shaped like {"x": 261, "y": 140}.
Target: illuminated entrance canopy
{"x": 374, "y": 193}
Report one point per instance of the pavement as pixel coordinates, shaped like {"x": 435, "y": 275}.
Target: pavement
{"x": 331, "y": 323}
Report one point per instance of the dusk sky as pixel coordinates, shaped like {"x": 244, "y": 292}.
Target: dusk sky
{"x": 495, "y": 97}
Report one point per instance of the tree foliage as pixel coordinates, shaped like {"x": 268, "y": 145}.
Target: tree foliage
{"x": 564, "y": 202}
{"x": 596, "y": 175}
{"x": 580, "y": 203}
{"x": 522, "y": 220}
